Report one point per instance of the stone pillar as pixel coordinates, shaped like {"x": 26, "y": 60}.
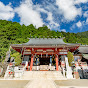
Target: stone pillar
{"x": 56, "y": 57}
{"x": 31, "y": 62}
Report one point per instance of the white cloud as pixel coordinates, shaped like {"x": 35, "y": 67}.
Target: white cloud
{"x": 62, "y": 30}
{"x": 52, "y": 24}
{"x": 40, "y": 9}
{"x": 31, "y": 14}
{"x": 72, "y": 27}
{"x": 6, "y": 12}
{"x": 28, "y": 14}
{"x": 87, "y": 21}
{"x": 68, "y": 9}
{"x": 50, "y": 17}
{"x": 85, "y": 14}
{"x": 79, "y": 24}
{"x": 80, "y": 1}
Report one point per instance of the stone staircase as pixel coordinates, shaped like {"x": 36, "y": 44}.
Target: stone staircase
{"x": 18, "y": 72}
{"x": 53, "y": 75}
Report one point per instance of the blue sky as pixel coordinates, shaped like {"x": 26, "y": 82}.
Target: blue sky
{"x": 61, "y": 15}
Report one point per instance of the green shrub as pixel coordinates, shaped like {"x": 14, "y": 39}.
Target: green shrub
{"x": 17, "y": 58}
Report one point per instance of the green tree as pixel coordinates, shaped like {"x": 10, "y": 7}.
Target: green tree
{"x": 17, "y": 58}
{"x": 70, "y": 58}
{"x": 14, "y": 33}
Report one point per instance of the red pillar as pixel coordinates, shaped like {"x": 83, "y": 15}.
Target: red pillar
{"x": 56, "y": 57}
{"x": 31, "y": 62}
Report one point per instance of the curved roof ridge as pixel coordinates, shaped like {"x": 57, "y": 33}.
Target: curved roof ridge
{"x": 42, "y": 41}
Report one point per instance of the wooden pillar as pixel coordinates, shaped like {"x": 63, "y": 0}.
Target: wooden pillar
{"x": 31, "y": 62}
{"x": 56, "y": 57}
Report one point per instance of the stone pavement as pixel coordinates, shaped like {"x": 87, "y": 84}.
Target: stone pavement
{"x": 71, "y": 87}
{"x": 41, "y": 83}
{"x": 44, "y": 83}
{"x": 75, "y": 83}
{"x": 13, "y": 83}
{"x": 43, "y": 79}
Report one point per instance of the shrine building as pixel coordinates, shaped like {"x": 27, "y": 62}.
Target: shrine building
{"x": 44, "y": 51}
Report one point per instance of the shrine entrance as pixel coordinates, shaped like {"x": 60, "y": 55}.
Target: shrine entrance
{"x": 44, "y": 60}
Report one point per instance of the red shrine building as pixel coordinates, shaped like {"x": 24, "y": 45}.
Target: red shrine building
{"x": 45, "y": 51}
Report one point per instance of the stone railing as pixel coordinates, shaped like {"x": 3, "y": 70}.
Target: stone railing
{"x": 43, "y": 67}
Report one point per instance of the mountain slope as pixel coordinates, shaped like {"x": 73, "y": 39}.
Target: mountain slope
{"x": 14, "y": 33}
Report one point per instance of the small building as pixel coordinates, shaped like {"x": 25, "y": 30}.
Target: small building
{"x": 45, "y": 51}
{"x": 81, "y": 54}
{"x": 83, "y": 51}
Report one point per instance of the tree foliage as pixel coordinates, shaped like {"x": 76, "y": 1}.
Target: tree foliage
{"x": 14, "y": 33}
{"x": 70, "y": 58}
{"x": 17, "y": 58}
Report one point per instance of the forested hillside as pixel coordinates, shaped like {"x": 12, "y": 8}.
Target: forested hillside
{"x": 14, "y": 33}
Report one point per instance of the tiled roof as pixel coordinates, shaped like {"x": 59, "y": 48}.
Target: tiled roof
{"x": 45, "y": 41}
{"x": 85, "y": 56}
{"x": 83, "y": 49}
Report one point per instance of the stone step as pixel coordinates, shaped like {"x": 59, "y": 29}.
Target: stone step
{"x": 55, "y": 75}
